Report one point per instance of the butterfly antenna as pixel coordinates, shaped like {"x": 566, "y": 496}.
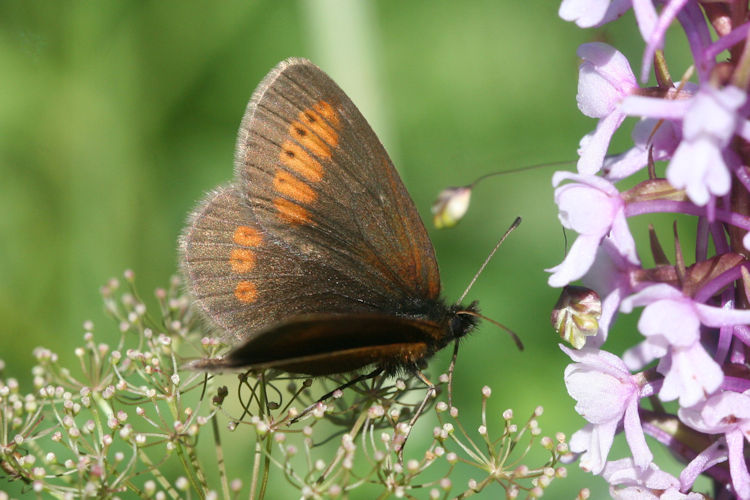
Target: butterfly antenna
{"x": 510, "y": 332}
{"x": 487, "y": 260}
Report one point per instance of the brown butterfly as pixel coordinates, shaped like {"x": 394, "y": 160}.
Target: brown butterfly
{"x": 314, "y": 260}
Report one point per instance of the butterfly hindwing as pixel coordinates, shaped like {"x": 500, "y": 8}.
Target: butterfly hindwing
{"x": 245, "y": 279}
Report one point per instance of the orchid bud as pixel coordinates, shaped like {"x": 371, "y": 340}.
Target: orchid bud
{"x": 576, "y": 314}
{"x": 451, "y": 205}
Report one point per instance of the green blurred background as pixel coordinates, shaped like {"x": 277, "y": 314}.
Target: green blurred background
{"x": 115, "y": 117}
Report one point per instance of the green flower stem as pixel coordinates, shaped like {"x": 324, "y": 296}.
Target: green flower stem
{"x": 267, "y": 455}
{"x": 189, "y": 461}
{"x": 341, "y": 452}
{"x": 220, "y": 457}
{"x": 480, "y": 457}
{"x": 163, "y": 482}
{"x": 198, "y": 483}
{"x": 256, "y": 469}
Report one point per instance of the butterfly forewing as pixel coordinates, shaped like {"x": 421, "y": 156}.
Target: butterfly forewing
{"x": 315, "y": 175}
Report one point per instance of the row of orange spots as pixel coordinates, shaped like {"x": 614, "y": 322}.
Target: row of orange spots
{"x": 245, "y": 291}
{"x": 247, "y": 236}
{"x": 242, "y": 260}
{"x": 291, "y": 212}
{"x": 316, "y": 145}
{"x": 297, "y": 159}
{"x": 289, "y": 185}
{"x": 325, "y": 110}
{"x": 313, "y": 135}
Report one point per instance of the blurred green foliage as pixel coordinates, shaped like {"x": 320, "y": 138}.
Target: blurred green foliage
{"x": 115, "y": 117}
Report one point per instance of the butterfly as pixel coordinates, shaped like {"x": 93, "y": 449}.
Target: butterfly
{"x": 314, "y": 259}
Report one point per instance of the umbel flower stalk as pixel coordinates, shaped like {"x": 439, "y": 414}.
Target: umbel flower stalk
{"x": 686, "y": 383}
{"x": 126, "y": 418}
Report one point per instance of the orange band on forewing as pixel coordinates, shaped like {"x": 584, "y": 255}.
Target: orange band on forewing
{"x": 319, "y": 126}
{"x": 310, "y": 141}
{"x": 242, "y": 260}
{"x": 325, "y": 110}
{"x": 291, "y": 212}
{"x": 245, "y": 291}
{"x": 247, "y": 236}
{"x": 297, "y": 159}
{"x": 288, "y": 185}
{"x": 314, "y": 137}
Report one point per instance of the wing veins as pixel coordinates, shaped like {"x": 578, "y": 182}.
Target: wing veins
{"x": 332, "y": 233}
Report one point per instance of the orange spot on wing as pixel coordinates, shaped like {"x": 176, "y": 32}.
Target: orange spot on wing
{"x": 247, "y": 236}
{"x": 297, "y": 159}
{"x": 245, "y": 291}
{"x": 242, "y": 260}
{"x": 325, "y": 110}
{"x": 310, "y": 141}
{"x": 319, "y": 126}
{"x": 291, "y": 212}
{"x": 287, "y": 184}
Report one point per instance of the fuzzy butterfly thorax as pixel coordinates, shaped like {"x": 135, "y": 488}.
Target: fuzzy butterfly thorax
{"x": 314, "y": 260}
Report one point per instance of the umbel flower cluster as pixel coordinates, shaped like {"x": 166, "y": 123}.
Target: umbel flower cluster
{"x": 126, "y": 420}
{"x": 686, "y": 384}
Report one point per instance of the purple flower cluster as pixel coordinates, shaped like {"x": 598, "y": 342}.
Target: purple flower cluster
{"x": 687, "y": 383}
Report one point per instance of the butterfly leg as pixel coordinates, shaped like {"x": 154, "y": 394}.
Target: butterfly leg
{"x": 355, "y": 380}
{"x": 451, "y": 369}
{"x": 431, "y": 393}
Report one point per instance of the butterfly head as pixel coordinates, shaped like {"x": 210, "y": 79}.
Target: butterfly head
{"x": 463, "y": 319}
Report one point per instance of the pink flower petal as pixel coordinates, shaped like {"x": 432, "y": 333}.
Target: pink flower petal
{"x": 577, "y": 262}
{"x": 624, "y": 471}
{"x": 594, "y": 146}
{"x": 588, "y": 14}
{"x": 599, "y": 397}
{"x": 618, "y": 167}
{"x": 651, "y": 137}
{"x": 737, "y": 464}
{"x": 592, "y": 181}
{"x": 709, "y": 124}
{"x": 714, "y": 113}
{"x": 576, "y": 202}
{"x": 644, "y": 353}
{"x": 719, "y": 316}
{"x": 700, "y": 169}
{"x": 623, "y": 240}
{"x": 594, "y": 441}
{"x": 690, "y": 375}
{"x": 653, "y": 107}
{"x": 645, "y": 16}
{"x": 650, "y": 294}
{"x": 604, "y": 78}
{"x": 723, "y": 411}
{"x": 714, "y": 454}
{"x": 675, "y": 320}
{"x": 634, "y": 435}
